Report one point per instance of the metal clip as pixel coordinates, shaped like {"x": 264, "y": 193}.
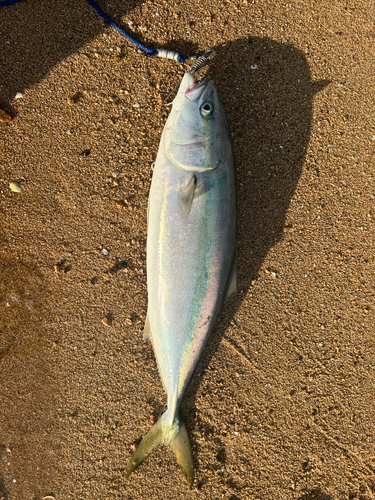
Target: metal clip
{"x": 197, "y": 66}
{"x": 201, "y": 61}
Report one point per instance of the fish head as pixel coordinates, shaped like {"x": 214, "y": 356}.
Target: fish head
{"x": 196, "y": 136}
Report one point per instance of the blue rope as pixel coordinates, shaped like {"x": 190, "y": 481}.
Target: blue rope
{"x": 169, "y": 54}
{"x": 3, "y": 3}
{"x": 150, "y": 52}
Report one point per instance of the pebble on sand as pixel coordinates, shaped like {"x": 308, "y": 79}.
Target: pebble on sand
{"x": 107, "y": 321}
{"x": 15, "y": 187}
{"x": 4, "y": 116}
{"x": 19, "y": 95}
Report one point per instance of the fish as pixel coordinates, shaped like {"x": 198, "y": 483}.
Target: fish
{"x": 191, "y": 252}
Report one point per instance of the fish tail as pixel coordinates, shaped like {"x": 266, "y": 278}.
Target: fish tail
{"x": 182, "y": 450}
{"x": 160, "y": 434}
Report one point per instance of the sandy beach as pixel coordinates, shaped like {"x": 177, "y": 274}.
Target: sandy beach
{"x": 282, "y": 404}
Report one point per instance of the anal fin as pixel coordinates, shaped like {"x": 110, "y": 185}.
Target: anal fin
{"x": 147, "y": 329}
{"x": 232, "y": 282}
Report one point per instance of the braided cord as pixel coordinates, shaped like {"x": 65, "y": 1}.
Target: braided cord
{"x": 3, "y": 3}
{"x": 150, "y": 52}
{"x": 169, "y": 54}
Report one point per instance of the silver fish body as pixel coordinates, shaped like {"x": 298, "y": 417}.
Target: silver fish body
{"x": 191, "y": 247}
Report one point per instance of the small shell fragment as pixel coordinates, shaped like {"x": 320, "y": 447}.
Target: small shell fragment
{"x": 15, "y": 187}
{"x": 19, "y": 95}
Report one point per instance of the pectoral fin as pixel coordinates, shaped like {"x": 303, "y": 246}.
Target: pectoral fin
{"x": 232, "y": 282}
{"x": 187, "y": 195}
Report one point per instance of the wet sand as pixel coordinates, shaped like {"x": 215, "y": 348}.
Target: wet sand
{"x": 282, "y": 404}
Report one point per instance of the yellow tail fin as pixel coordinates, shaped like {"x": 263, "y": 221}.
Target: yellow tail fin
{"x": 155, "y": 437}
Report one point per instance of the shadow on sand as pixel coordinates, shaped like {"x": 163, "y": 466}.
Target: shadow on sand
{"x": 315, "y": 494}
{"x": 267, "y": 93}
{"x": 37, "y": 35}
{"x": 3, "y": 489}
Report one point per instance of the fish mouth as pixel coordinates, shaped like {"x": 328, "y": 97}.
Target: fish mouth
{"x": 196, "y": 92}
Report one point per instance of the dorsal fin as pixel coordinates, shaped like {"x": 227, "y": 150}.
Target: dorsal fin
{"x": 187, "y": 195}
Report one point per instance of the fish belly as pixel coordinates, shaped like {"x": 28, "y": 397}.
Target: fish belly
{"x": 189, "y": 261}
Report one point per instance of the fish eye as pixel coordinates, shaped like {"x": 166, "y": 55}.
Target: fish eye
{"x": 207, "y": 109}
